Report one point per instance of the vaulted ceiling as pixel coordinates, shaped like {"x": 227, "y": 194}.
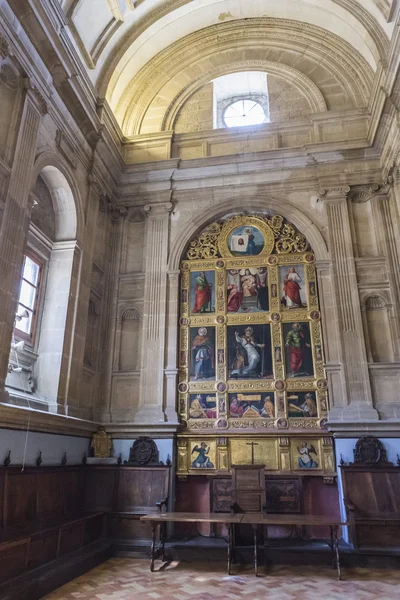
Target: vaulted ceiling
{"x": 146, "y": 57}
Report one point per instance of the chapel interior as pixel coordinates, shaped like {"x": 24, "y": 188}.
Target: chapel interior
{"x": 199, "y": 299}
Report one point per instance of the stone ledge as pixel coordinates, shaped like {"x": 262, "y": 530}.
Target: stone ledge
{"x": 348, "y": 429}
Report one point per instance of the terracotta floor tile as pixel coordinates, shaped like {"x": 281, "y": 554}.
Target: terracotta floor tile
{"x": 129, "y": 579}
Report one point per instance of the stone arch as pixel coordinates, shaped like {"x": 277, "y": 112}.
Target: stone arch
{"x": 55, "y": 350}
{"x": 377, "y": 327}
{"x": 67, "y": 200}
{"x": 149, "y": 93}
{"x": 253, "y": 205}
{"x": 304, "y": 85}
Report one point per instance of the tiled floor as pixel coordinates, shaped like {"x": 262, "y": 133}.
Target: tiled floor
{"x": 129, "y": 579}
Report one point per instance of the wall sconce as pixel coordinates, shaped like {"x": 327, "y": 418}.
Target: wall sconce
{"x": 22, "y": 315}
{"x": 18, "y": 346}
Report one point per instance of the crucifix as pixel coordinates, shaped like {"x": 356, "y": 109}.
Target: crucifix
{"x": 252, "y": 444}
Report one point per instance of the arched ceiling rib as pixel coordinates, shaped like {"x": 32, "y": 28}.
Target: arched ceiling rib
{"x": 154, "y": 25}
{"x": 343, "y": 77}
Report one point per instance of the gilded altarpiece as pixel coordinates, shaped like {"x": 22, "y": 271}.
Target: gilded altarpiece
{"x": 252, "y": 384}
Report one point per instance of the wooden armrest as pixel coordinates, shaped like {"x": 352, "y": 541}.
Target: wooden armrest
{"x": 163, "y": 502}
{"x": 349, "y": 505}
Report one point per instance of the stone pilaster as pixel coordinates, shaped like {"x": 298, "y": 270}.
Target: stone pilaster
{"x": 387, "y": 236}
{"x": 358, "y": 398}
{"x": 171, "y": 370}
{"x": 76, "y": 356}
{"x": 16, "y": 220}
{"x": 103, "y": 411}
{"x": 154, "y": 317}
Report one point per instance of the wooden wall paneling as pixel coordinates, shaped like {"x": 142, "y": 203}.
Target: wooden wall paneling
{"x": 43, "y": 548}
{"x": 71, "y": 538}
{"x": 99, "y": 488}
{"x": 49, "y": 485}
{"x": 73, "y": 491}
{"x": 21, "y": 497}
{"x": 3, "y": 503}
{"x": 13, "y": 559}
{"x": 140, "y": 488}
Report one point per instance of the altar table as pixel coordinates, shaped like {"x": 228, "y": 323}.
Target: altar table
{"x": 254, "y": 519}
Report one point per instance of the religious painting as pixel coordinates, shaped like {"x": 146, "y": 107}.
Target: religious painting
{"x": 259, "y": 451}
{"x": 202, "y": 292}
{"x": 307, "y": 456}
{"x": 252, "y": 405}
{"x": 302, "y": 404}
{"x": 202, "y": 455}
{"x": 246, "y": 241}
{"x": 202, "y": 345}
{"x": 247, "y": 290}
{"x": 249, "y": 352}
{"x": 203, "y": 406}
{"x": 292, "y": 282}
{"x": 298, "y": 349}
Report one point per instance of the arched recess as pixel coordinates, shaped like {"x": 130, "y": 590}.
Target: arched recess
{"x": 304, "y": 85}
{"x": 58, "y": 314}
{"x": 338, "y": 70}
{"x": 130, "y": 340}
{"x": 378, "y": 329}
{"x": 252, "y": 205}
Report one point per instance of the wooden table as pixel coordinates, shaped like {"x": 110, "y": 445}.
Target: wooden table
{"x": 158, "y": 520}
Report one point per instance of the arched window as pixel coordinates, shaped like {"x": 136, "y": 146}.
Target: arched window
{"x": 41, "y": 320}
{"x": 241, "y": 99}
{"x": 251, "y": 353}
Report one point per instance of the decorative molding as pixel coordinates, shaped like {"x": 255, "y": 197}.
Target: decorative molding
{"x": 66, "y": 148}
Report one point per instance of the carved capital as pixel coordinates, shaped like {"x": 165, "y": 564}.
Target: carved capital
{"x": 40, "y": 100}
{"x": 156, "y": 211}
{"x": 4, "y": 47}
{"x": 334, "y": 194}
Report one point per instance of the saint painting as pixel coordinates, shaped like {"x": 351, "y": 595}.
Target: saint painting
{"x": 202, "y": 292}
{"x": 202, "y": 365}
{"x": 254, "y": 405}
{"x": 298, "y": 350}
{"x": 249, "y": 351}
{"x": 247, "y": 290}
{"x": 203, "y": 406}
{"x": 246, "y": 241}
{"x": 302, "y": 404}
{"x": 202, "y": 460}
{"x": 306, "y": 460}
{"x": 292, "y": 283}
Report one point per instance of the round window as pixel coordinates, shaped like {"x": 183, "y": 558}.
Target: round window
{"x": 244, "y": 112}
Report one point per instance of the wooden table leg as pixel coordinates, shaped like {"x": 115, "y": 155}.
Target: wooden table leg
{"x": 163, "y": 535}
{"x": 336, "y": 546}
{"x": 153, "y": 545}
{"x": 332, "y": 548}
{"x": 255, "y": 550}
{"x": 230, "y": 527}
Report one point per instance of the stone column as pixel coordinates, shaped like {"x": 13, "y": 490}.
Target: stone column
{"x": 15, "y": 221}
{"x": 103, "y": 411}
{"x": 358, "y": 398}
{"x": 154, "y": 317}
{"x": 171, "y": 370}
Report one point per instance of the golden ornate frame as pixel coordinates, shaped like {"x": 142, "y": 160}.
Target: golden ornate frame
{"x": 277, "y": 316}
